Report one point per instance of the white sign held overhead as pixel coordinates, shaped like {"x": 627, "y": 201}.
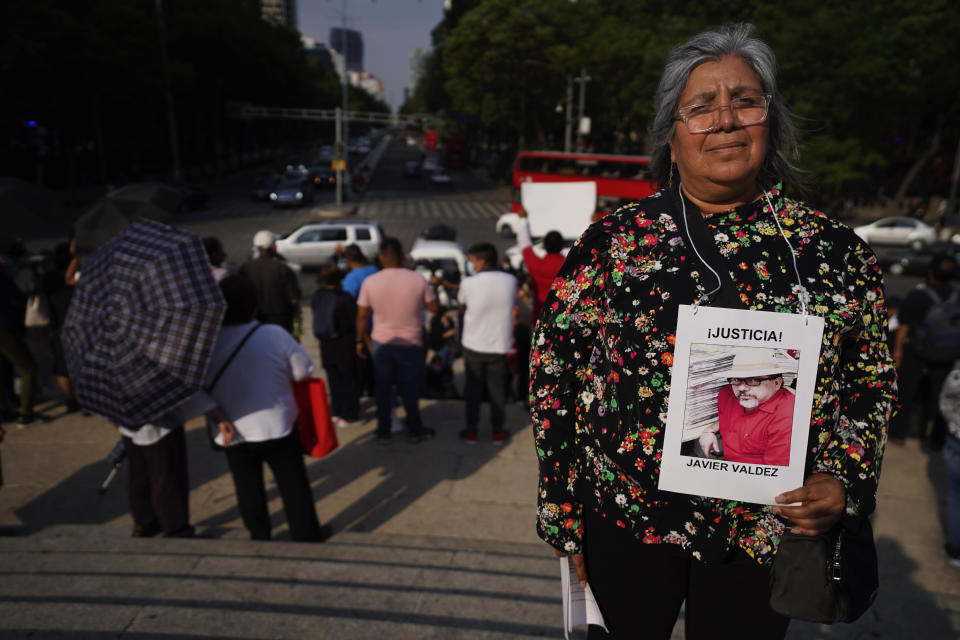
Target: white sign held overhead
{"x": 566, "y": 207}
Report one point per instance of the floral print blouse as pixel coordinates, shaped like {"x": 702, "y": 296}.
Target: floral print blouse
{"x": 603, "y": 348}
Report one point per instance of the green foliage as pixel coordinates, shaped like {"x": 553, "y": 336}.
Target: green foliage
{"x": 872, "y": 82}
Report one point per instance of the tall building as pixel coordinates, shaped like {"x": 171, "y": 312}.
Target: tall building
{"x": 319, "y": 51}
{"x": 279, "y": 11}
{"x": 350, "y": 44}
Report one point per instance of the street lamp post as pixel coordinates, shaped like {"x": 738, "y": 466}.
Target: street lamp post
{"x": 583, "y": 79}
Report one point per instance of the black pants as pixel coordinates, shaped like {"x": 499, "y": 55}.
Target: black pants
{"x": 919, "y": 388}
{"x": 485, "y": 371}
{"x": 286, "y": 462}
{"x": 640, "y": 588}
{"x": 158, "y": 488}
{"x": 344, "y": 381}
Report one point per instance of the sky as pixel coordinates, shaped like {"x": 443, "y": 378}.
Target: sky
{"x": 390, "y": 29}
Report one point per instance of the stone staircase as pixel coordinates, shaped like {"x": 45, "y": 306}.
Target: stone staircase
{"x": 94, "y": 581}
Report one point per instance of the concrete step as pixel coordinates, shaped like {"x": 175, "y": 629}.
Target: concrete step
{"x": 95, "y": 581}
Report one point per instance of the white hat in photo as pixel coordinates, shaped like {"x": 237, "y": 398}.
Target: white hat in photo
{"x": 264, "y": 239}
{"x": 753, "y": 362}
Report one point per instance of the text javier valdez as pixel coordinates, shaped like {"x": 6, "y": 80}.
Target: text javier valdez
{"x": 741, "y": 394}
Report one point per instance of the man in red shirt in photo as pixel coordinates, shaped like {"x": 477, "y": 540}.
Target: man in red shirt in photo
{"x": 755, "y": 412}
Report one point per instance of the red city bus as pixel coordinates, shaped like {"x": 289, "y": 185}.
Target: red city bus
{"x": 620, "y": 179}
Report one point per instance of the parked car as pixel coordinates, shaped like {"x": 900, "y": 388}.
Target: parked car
{"x": 508, "y": 225}
{"x": 313, "y": 244}
{"x": 411, "y": 169}
{"x": 440, "y": 231}
{"x": 914, "y": 263}
{"x": 265, "y": 185}
{"x": 424, "y": 250}
{"x": 430, "y": 164}
{"x": 898, "y": 231}
{"x": 444, "y": 259}
{"x": 323, "y": 176}
{"x": 440, "y": 177}
{"x": 292, "y": 191}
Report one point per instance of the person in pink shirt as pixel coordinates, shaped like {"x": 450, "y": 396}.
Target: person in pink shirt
{"x": 755, "y": 412}
{"x": 397, "y": 297}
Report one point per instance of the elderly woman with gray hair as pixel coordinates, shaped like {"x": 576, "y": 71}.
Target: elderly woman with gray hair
{"x": 719, "y": 232}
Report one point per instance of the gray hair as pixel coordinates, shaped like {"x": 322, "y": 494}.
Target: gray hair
{"x": 710, "y": 46}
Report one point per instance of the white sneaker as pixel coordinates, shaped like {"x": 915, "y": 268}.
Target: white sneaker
{"x": 339, "y": 422}
{"x": 395, "y": 425}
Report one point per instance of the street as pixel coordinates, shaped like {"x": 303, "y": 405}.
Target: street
{"x": 403, "y": 207}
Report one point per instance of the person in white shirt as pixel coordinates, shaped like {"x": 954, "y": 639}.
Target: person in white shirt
{"x": 487, "y": 299}
{"x": 255, "y": 394}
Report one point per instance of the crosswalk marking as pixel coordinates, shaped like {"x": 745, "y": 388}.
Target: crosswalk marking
{"x": 433, "y": 208}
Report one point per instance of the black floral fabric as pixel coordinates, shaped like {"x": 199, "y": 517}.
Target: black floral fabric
{"x": 602, "y": 353}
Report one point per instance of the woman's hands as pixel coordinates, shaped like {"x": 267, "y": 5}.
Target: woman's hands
{"x": 578, "y": 564}
{"x": 822, "y": 500}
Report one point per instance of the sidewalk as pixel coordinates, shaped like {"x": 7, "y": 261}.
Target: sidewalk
{"x": 432, "y": 540}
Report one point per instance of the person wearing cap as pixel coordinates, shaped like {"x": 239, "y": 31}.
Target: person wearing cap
{"x": 755, "y": 412}
{"x": 278, "y": 293}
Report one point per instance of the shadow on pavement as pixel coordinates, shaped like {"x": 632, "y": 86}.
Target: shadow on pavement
{"x": 76, "y": 499}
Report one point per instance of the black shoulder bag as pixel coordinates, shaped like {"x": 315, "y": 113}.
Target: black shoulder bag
{"x": 828, "y": 578}
{"x": 211, "y": 427}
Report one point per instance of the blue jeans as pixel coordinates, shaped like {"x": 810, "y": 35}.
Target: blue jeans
{"x": 403, "y": 367}
{"x": 951, "y": 455}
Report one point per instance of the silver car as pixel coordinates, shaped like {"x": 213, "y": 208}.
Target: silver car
{"x": 313, "y": 244}
{"x": 898, "y": 231}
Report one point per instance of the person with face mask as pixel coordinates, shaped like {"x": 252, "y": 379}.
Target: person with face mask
{"x": 755, "y": 412}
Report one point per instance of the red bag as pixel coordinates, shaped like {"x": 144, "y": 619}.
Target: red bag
{"x": 317, "y": 435}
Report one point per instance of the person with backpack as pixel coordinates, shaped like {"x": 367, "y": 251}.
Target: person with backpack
{"x": 334, "y": 325}
{"x": 923, "y": 352}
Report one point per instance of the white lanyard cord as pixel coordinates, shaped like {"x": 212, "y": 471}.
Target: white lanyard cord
{"x": 793, "y": 256}
{"x": 776, "y": 218}
{"x": 686, "y": 227}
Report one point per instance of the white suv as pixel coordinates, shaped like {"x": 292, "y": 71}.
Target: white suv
{"x": 313, "y": 244}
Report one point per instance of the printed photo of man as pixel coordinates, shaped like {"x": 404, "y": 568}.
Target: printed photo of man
{"x": 755, "y": 412}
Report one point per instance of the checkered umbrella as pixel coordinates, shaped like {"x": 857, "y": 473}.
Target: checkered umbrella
{"x": 142, "y": 323}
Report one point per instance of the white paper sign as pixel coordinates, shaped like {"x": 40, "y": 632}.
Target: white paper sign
{"x": 579, "y": 606}
{"x": 741, "y": 394}
{"x": 566, "y": 207}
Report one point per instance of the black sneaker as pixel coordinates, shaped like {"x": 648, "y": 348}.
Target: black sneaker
{"x": 425, "y": 433}
{"x": 146, "y": 531}
{"x": 953, "y": 556}
{"x": 324, "y": 534}
{"x": 382, "y": 439}
{"x": 30, "y": 419}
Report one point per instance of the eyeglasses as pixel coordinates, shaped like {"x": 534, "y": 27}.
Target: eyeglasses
{"x": 746, "y": 111}
{"x": 750, "y": 382}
